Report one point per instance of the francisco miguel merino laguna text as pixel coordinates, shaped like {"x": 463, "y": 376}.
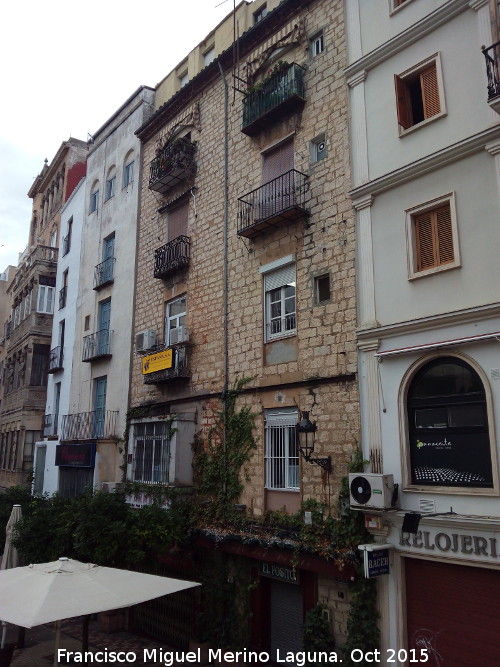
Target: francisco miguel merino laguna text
{"x": 170, "y": 658}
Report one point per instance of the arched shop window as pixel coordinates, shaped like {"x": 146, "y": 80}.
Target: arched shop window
{"x": 448, "y": 426}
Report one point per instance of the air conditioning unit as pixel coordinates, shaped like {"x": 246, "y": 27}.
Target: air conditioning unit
{"x": 179, "y": 335}
{"x": 372, "y": 491}
{"x": 145, "y": 340}
{"x": 108, "y": 487}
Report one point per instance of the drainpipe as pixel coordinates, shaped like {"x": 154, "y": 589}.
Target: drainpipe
{"x": 225, "y": 273}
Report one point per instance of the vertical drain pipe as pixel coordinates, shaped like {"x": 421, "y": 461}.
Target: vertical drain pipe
{"x": 225, "y": 272}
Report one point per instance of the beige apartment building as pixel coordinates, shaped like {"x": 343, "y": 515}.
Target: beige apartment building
{"x": 246, "y": 268}
{"x": 29, "y": 325}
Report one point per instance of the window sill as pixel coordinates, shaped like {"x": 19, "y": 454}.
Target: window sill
{"x": 434, "y": 270}
{"x": 281, "y": 337}
{"x": 404, "y": 132}
{"x": 452, "y": 490}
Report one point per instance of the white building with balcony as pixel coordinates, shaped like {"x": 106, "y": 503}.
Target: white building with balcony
{"x": 426, "y": 155}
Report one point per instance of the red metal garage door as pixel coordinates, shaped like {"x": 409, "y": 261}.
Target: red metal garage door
{"x": 454, "y": 612}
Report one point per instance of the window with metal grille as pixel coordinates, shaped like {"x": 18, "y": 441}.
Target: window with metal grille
{"x": 151, "y": 452}
{"x": 280, "y": 303}
{"x": 282, "y": 454}
{"x": 418, "y": 94}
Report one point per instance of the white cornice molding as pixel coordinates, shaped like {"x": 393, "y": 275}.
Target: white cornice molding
{"x": 363, "y": 202}
{"x": 440, "y": 158}
{"x": 369, "y": 345}
{"x": 478, "y": 4}
{"x": 358, "y": 78}
{"x": 493, "y": 148}
{"x": 412, "y": 34}
{"x": 427, "y": 323}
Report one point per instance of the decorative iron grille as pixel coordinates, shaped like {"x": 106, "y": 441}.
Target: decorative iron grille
{"x": 492, "y": 56}
{"x": 97, "y": 345}
{"x": 174, "y": 164}
{"x": 62, "y": 296}
{"x": 104, "y": 273}
{"x": 56, "y": 359}
{"x": 172, "y": 256}
{"x": 89, "y": 425}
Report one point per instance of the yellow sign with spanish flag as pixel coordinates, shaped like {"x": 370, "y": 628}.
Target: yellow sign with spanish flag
{"x": 157, "y": 362}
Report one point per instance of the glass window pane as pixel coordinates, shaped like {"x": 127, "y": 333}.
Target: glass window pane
{"x": 431, "y": 418}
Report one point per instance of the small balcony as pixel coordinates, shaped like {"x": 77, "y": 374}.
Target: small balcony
{"x": 173, "y": 165}
{"x": 280, "y": 201}
{"x": 172, "y": 257}
{"x": 56, "y": 359}
{"x": 104, "y": 273}
{"x": 62, "y": 297}
{"x": 50, "y": 424}
{"x": 89, "y": 425}
{"x": 177, "y": 371}
{"x": 281, "y": 93}
{"x": 492, "y": 57}
{"x": 97, "y": 345}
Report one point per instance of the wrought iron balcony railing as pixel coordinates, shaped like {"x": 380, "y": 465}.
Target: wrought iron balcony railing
{"x": 279, "y": 95}
{"x": 282, "y": 199}
{"x": 104, "y": 273}
{"x": 66, "y": 244}
{"x": 62, "y": 296}
{"x": 50, "y": 424}
{"x": 56, "y": 359}
{"x": 492, "y": 56}
{"x": 174, "y": 164}
{"x": 172, "y": 257}
{"x": 179, "y": 369}
{"x": 97, "y": 345}
{"x": 89, "y": 425}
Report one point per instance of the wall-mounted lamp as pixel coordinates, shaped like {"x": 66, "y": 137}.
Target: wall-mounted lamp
{"x": 305, "y": 432}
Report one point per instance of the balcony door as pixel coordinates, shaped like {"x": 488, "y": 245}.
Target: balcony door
{"x": 108, "y": 254}
{"x": 277, "y": 193}
{"x": 100, "y": 387}
{"x": 57, "y": 400}
{"x": 103, "y": 333}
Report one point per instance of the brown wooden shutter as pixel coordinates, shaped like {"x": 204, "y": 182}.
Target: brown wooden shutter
{"x": 444, "y": 235}
{"x": 277, "y": 162}
{"x": 424, "y": 241}
{"x": 177, "y": 221}
{"x": 430, "y": 91}
{"x": 402, "y": 103}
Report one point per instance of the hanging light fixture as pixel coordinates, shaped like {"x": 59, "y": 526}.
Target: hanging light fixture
{"x": 305, "y": 432}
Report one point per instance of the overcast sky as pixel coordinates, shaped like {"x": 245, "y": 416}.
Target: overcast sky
{"x": 66, "y": 67}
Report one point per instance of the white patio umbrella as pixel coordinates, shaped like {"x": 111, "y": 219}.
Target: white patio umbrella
{"x": 10, "y": 556}
{"x": 45, "y": 592}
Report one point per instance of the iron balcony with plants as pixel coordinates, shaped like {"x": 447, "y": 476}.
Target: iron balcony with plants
{"x": 173, "y": 164}
{"x": 278, "y": 94}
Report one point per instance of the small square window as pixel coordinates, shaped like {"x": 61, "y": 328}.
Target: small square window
{"x": 94, "y": 200}
{"x": 316, "y": 44}
{"x": 183, "y": 79}
{"x": 110, "y": 188}
{"x": 322, "y": 292}
{"x": 318, "y": 148}
{"x": 419, "y": 95}
{"x": 260, "y": 14}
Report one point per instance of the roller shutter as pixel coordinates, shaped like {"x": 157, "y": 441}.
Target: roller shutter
{"x": 286, "y": 618}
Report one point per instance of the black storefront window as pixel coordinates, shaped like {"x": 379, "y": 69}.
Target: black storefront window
{"x": 448, "y": 426}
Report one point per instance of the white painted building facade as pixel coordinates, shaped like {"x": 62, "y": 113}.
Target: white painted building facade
{"x": 425, "y": 152}
{"x": 61, "y": 361}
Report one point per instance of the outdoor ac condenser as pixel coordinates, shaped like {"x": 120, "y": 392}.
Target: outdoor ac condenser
{"x": 145, "y": 340}
{"x": 179, "y": 335}
{"x": 371, "y": 491}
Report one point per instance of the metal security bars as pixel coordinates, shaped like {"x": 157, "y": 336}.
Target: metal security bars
{"x": 66, "y": 244}
{"x": 151, "y": 455}
{"x": 50, "y": 423}
{"x": 56, "y": 359}
{"x": 104, "y": 273}
{"x": 492, "y": 56}
{"x": 282, "y": 199}
{"x": 279, "y": 94}
{"x": 89, "y": 425}
{"x": 172, "y": 256}
{"x": 282, "y": 454}
{"x": 62, "y": 297}
{"x": 97, "y": 345}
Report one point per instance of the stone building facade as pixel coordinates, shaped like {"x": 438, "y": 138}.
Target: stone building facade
{"x": 28, "y": 330}
{"x": 246, "y": 268}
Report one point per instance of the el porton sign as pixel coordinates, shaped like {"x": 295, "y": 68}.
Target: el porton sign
{"x": 466, "y": 545}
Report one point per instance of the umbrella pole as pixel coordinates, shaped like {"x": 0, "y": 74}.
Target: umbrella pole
{"x": 58, "y": 641}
